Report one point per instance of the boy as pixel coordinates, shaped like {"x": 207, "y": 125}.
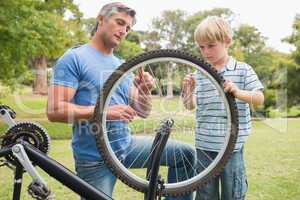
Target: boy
{"x": 214, "y": 36}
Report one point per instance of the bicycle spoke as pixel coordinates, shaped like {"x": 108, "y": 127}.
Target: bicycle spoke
{"x": 168, "y": 74}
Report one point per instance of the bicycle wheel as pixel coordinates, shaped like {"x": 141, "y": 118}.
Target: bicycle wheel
{"x": 168, "y": 67}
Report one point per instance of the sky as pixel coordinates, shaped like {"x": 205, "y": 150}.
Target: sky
{"x": 274, "y": 19}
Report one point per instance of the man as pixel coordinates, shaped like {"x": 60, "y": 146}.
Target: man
{"x": 78, "y": 78}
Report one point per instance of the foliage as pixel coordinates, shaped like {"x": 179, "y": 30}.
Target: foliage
{"x": 193, "y": 21}
{"x": 33, "y": 28}
{"x": 89, "y": 25}
{"x": 163, "y": 90}
{"x": 175, "y": 29}
{"x": 167, "y": 31}
{"x": 249, "y": 38}
{"x": 288, "y": 80}
{"x": 293, "y": 66}
{"x": 13, "y": 38}
{"x": 294, "y": 39}
{"x": 127, "y": 49}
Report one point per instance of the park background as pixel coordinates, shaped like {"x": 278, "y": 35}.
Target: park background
{"x": 34, "y": 33}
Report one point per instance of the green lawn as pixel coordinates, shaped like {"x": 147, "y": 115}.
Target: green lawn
{"x": 32, "y": 108}
{"x": 273, "y": 166}
{"x": 272, "y": 153}
{"x": 273, "y": 160}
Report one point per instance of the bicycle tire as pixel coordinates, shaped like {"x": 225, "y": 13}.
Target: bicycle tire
{"x": 103, "y": 146}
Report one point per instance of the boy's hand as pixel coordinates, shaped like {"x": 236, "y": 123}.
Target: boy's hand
{"x": 144, "y": 82}
{"x": 188, "y": 84}
{"x": 229, "y": 86}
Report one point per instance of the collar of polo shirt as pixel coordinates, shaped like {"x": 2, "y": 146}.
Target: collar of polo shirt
{"x": 230, "y": 66}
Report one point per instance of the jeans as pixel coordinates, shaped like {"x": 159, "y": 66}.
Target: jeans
{"x": 180, "y": 167}
{"x": 233, "y": 178}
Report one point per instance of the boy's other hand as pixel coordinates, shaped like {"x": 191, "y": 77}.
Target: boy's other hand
{"x": 229, "y": 86}
{"x": 144, "y": 82}
{"x": 188, "y": 84}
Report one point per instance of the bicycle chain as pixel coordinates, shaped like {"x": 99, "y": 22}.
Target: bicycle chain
{"x": 32, "y": 133}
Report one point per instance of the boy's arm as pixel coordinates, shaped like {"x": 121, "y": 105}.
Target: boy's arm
{"x": 189, "y": 101}
{"x": 254, "y": 97}
{"x": 140, "y": 93}
{"x": 188, "y": 87}
{"x": 140, "y": 102}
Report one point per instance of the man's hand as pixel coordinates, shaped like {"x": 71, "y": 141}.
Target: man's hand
{"x": 229, "y": 86}
{"x": 188, "y": 85}
{"x": 144, "y": 82}
{"x": 121, "y": 112}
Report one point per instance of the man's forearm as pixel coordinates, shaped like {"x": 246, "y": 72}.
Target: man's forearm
{"x": 69, "y": 112}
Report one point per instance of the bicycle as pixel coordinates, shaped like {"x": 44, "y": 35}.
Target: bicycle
{"x": 165, "y": 65}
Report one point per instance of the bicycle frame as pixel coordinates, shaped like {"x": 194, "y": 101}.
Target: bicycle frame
{"x": 57, "y": 171}
{"x": 26, "y": 154}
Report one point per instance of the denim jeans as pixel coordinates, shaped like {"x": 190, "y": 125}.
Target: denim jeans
{"x": 180, "y": 167}
{"x": 233, "y": 178}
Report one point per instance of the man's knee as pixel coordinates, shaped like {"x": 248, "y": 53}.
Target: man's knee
{"x": 96, "y": 174}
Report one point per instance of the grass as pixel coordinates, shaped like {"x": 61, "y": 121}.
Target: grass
{"x": 32, "y": 108}
{"x": 273, "y": 162}
{"x": 272, "y": 153}
{"x": 273, "y": 167}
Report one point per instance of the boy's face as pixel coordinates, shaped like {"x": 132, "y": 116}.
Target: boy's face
{"x": 214, "y": 52}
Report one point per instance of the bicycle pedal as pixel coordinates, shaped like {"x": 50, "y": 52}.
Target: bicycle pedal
{"x": 40, "y": 192}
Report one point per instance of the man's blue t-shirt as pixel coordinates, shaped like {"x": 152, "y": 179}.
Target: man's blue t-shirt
{"x": 85, "y": 69}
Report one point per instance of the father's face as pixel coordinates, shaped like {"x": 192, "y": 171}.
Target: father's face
{"x": 114, "y": 29}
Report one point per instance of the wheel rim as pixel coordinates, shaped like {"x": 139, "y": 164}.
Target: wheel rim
{"x": 128, "y": 176}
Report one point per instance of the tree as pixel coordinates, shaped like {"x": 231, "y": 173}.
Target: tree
{"x": 14, "y": 38}
{"x": 32, "y": 31}
{"x": 135, "y": 37}
{"x": 294, "y": 39}
{"x": 168, "y": 31}
{"x": 89, "y": 26}
{"x": 195, "y": 19}
{"x": 52, "y": 39}
{"x": 59, "y": 32}
{"x": 249, "y": 38}
{"x": 175, "y": 29}
{"x": 128, "y": 49}
{"x": 293, "y": 68}
{"x": 151, "y": 40}
{"x": 250, "y": 45}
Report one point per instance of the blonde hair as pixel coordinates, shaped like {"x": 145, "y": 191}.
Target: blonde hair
{"x": 213, "y": 29}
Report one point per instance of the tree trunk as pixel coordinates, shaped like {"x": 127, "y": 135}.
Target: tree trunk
{"x": 170, "y": 82}
{"x": 160, "y": 89}
{"x": 40, "y": 85}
